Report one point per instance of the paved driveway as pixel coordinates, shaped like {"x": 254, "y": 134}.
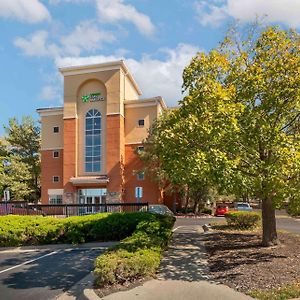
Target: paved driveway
{"x": 284, "y": 222}
{"x": 44, "y": 273}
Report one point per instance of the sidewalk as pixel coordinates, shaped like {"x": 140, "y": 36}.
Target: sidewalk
{"x": 183, "y": 274}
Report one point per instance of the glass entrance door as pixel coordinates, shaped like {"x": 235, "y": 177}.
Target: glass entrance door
{"x": 91, "y": 196}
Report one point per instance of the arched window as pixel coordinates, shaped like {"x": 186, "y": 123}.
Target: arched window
{"x": 93, "y": 141}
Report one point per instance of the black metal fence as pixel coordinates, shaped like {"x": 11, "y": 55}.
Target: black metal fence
{"x": 67, "y": 210}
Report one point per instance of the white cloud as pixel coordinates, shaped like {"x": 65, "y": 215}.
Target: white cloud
{"x": 50, "y": 93}
{"x": 31, "y": 11}
{"x": 214, "y": 12}
{"x": 36, "y": 45}
{"x": 86, "y": 36}
{"x": 156, "y": 77}
{"x": 112, "y": 11}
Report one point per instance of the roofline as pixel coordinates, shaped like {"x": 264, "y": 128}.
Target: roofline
{"x": 112, "y": 65}
{"x": 157, "y": 99}
{"x": 50, "y": 111}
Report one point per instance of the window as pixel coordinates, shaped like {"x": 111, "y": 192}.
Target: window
{"x": 55, "y": 178}
{"x": 138, "y": 193}
{"x": 140, "y": 148}
{"x": 140, "y": 176}
{"x": 56, "y": 154}
{"x": 93, "y": 141}
{"x": 55, "y": 199}
{"x": 55, "y": 129}
{"x": 141, "y": 123}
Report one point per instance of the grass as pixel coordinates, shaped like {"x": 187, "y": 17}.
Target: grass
{"x": 287, "y": 291}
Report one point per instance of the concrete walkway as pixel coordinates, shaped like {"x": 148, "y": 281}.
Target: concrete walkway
{"x": 183, "y": 274}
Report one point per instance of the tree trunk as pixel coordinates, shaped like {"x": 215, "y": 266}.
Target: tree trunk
{"x": 269, "y": 223}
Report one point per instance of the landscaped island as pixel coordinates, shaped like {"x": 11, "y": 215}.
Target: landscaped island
{"x": 142, "y": 236}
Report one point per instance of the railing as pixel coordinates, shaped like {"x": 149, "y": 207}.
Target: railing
{"x": 67, "y": 210}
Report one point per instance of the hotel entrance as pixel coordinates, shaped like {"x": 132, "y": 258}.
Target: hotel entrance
{"x": 92, "y": 196}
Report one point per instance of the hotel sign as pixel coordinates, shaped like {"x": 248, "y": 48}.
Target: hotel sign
{"x": 93, "y": 97}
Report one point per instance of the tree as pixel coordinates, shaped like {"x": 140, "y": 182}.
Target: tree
{"x": 23, "y": 159}
{"x": 243, "y": 116}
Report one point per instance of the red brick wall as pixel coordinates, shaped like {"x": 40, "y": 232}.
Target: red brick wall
{"x": 151, "y": 192}
{"x": 50, "y": 167}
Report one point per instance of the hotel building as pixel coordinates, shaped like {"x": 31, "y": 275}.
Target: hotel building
{"x": 90, "y": 145}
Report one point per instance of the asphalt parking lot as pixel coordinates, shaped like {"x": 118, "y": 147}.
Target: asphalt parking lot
{"x": 44, "y": 273}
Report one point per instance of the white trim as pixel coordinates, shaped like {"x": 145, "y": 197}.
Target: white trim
{"x": 46, "y": 112}
{"x": 52, "y": 149}
{"x": 135, "y": 143}
{"x": 88, "y": 180}
{"x": 115, "y": 114}
{"x": 136, "y": 105}
{"x": 69, "y": 118}
{"x": 53, "y": 181}
{"x": 54, "y": 192}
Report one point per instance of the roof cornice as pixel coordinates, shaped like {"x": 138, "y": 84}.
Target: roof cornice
{"x": 107, "y": 66}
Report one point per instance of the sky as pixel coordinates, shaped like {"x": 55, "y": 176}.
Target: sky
{"x": 156, "y": 38}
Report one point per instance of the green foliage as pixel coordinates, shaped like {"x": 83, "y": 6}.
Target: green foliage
{"x": 28, "y": 230}
{"x": 243, "y": 219}
{"x": 287, "y": 291}
{"x": 207, "y": 211}
{"x": 294, "y": 206}
{"x": 20, "y": 149}
{"x": 137, "y": 255}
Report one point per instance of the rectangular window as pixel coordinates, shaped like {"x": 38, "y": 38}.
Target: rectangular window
{"x": 55, "y": 129}
{"x": 140, "y": 148}
{"x": 55, "y": 178}
{"x": 138, "y": 193}
{"x": 140, "y": 176}
{"x": 55, "y": 199}
{"x": 141, "y": 123}
{"x": 55, "y": 154}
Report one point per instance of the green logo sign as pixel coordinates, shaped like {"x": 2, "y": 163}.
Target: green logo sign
{"x": 92, "y": 97}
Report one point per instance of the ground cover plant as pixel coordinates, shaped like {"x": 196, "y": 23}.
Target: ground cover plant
{"x": 136, "y": 256}
{"x": 29, "y": 230}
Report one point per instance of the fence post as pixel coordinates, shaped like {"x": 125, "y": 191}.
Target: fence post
{"x": 27, "y": 208}
{"x": 66, "y": 208}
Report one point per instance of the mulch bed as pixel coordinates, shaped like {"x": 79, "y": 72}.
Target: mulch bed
{"x": 238, "y": 260}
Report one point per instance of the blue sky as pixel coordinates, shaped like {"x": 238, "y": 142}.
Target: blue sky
{"x": 157, "y": 39}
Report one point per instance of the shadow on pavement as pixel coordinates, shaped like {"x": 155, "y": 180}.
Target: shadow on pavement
{"x": 185, "y": 258}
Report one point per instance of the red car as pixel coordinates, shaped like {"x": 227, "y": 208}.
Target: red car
{"x": 221, "y": 210}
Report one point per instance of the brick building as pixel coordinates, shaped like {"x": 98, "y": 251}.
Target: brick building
{"x": 89, "y": 146}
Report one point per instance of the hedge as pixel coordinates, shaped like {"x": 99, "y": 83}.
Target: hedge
{"x": 243, "y": 219}
{"x": 136, "y": 256}
{"x": 29, "y": 230}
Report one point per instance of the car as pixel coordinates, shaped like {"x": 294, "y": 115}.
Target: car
{"x": 242, "y": 206}
{"x": 159, "y": 209}
{"x": 221, "y": 210}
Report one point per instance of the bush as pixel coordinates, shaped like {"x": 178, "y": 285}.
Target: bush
{"x": 207, "y": 211}
{"x": 243, "y": 219}
{"x": 137, "y": 255}
{"x": 29, "y": 230}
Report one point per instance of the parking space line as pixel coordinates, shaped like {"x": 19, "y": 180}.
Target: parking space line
{"x": 28, "y": 262}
